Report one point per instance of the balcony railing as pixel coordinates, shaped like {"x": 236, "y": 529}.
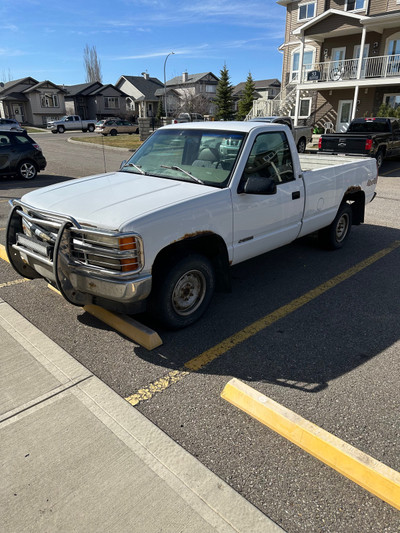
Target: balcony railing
{"x": 371, "y": 67}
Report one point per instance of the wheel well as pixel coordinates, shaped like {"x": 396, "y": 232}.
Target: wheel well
{"x": 209, "y": 245}
{"x": 356, "y": 200}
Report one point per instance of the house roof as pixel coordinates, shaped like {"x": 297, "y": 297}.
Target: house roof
{"x": 16, "y": 97}
{"x": 168, "y": 90}
{"x": 9, "y": 84}
{"x": 258, "y": 85}
{"x": 326, "y": 14}
{"x": 82, "y": 89}
{"x": 191, "y": 78}
{"x": 147, "y": 87}
{"x": 42, "y": 84}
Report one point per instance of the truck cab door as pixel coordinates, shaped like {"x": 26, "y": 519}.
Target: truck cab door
{"x": 270, "y": 217}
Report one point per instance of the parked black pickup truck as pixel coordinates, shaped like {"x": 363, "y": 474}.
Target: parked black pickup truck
{"x": 373, "y": 137}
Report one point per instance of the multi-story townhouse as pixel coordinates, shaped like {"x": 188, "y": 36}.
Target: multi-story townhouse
{"x": 341, "y": 60}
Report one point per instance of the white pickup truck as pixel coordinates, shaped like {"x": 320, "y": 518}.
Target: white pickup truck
{"x": 161, "y": 232}
{"x": 71, "y": 122}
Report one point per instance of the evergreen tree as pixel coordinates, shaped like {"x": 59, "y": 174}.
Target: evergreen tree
{"x": 160, "y": 109}
{"x": 224, "y": 98}
{"x": 245, "y": 103}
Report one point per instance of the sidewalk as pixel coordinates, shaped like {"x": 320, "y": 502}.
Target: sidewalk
{"x": 75, "y": 456}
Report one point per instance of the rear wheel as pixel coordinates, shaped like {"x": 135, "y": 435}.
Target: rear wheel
{"x": 27, "y": 170}
{"x": 301, "y": 146}
{"x": 91, "y": 128}
{"x": 182, "y": 295}
{"x": 379, "y": 158}
{"x": 335, "y": 235}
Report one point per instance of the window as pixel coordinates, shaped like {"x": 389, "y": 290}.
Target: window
{"x": 111, "y": 102}
{"x": 210, "y": 88}
{"x": 308, "y": 60}
{"x": 4, "y": 140}
{"x": 49, "y": 100}
{"x": 355, "y": 5}
{"x": 304, "y": 108}
{"x": 306, "y": 11}
{"x": 393, "y": 100}
{"x": 270, "y": 157}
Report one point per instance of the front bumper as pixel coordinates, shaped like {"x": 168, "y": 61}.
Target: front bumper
{"x": 81, "y": 284}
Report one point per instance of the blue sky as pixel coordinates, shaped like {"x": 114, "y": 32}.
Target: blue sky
{"x": 46, "y": 40}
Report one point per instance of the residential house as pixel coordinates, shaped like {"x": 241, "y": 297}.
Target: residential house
{"x": 264, "y": 90}
{"x": 95, "y": 100}
{"x": 32, "y": 102}
{"x": 142, "y": 100}
{"x": 196, "y": 92}
{"x": 341, "y": 60}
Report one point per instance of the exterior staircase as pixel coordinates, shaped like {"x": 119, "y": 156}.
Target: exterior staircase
{"x": 281, "y": 105}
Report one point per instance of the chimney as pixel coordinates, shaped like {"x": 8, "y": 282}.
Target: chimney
{"x": 184, "y": 77}
{"x": 145, "y": 75}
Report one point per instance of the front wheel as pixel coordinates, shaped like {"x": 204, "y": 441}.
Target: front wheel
{"x": 335, "y": 235}
{"x": 60, "y": 129}
{"x": 182, "y": 295}
{"x": 113, "y": 133}
{"x": 27, "y": 170}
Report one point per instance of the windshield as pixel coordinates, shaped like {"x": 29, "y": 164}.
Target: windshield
{"x": 196, "y": 155}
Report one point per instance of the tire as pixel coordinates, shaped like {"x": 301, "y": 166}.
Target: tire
{"x": 91, "y": 128}
{"x": 334, "y": 236}
{"x": 301, "y": 146}
{"x": 379, "y": 158}
{"x": 27, "y": 170}
{"x": 84, "y": 130}
{"x": 54, "y": 131}
{"x": 60, "y": 129}
{"x": 113, "y": 133}
{"x": 182, "y": 295}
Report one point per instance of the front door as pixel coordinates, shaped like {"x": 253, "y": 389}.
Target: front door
{"x": 264, "y": 222}
{"x": 18, "y": 112}
{"x": 344, "y": 115}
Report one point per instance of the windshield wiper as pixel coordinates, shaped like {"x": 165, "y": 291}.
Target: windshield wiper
{"x": 134, "y": 166}
{"x": 174, "y": 167}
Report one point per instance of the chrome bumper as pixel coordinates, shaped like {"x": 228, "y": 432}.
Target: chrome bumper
{"x": 79, "y": 283}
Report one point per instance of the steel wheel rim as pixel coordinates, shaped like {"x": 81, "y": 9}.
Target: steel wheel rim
{"x": 189, "y": 292}
{"x": 342, "y": 227}
{"x": 28, "y": 171}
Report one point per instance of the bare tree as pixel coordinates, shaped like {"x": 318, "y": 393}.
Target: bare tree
{"x": 92, "y": 64}
{"x": 6, "y": 76}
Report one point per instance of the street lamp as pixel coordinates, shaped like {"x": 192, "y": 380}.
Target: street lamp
{"x": 165, "y": 85}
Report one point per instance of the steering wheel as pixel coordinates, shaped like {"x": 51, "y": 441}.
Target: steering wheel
{"x": 261, "y": 161}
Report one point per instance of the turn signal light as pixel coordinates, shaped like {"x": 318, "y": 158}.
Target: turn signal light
{"x": 368, "y": 144}
{"x": 127, "y": 243}
{"x": 320, "y": 143}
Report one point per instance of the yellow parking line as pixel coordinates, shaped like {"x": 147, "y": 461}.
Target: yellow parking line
{"x": 197, "y": 363}
{"x": 15, "y": 282}
{"x": 361, "y": 468}
{"x": 390, "y": 171}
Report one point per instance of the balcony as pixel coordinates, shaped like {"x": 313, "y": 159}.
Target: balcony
{"x": 381, "y": 69}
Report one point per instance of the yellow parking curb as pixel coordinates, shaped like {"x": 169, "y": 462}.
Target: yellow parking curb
{"x": 361, "y": 468}
{"x": 129, "y": 327}
{"x": 3, "y": 253}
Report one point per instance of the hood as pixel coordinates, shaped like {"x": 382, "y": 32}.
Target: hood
{"x": 110, "y": 200}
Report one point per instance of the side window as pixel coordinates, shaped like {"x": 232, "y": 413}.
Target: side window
{"x": 270, "y": 157}
{"x": 4, "y": 140}
{"x": 20, "y": 139}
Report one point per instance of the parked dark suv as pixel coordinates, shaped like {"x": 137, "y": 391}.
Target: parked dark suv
{"x": 20, "y": 155}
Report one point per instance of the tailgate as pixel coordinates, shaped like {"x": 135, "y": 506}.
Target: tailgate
{"x": 344, "y": 143}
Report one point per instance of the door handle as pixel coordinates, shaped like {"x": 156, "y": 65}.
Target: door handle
{"x": 295, "y": 195}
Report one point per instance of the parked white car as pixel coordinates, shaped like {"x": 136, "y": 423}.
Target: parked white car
{"x": 163, "y": 231}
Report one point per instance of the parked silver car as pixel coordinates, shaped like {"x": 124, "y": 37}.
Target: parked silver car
{"x": 10, "y": 124}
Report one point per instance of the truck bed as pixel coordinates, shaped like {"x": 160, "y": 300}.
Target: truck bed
{"x": 318, "y": 161}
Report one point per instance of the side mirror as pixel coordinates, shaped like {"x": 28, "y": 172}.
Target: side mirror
{"x": 122, "y": 164}
{"x": 258, "y": 185}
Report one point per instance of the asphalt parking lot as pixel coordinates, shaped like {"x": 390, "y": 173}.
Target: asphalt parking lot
{"x": 315, "y": 331}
